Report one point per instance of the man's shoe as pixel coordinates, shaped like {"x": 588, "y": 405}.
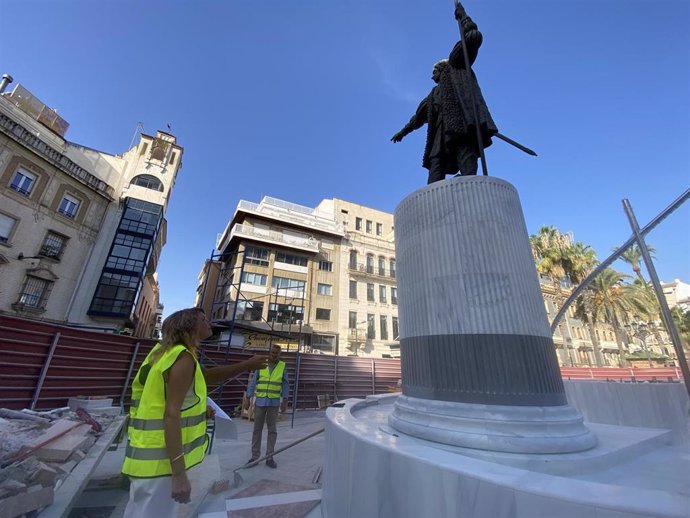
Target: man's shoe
{"x": 271, "y": 463}
{"x": 253, "y": 459}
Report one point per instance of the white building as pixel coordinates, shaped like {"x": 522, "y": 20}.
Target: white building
{"x": 81, "y": 230}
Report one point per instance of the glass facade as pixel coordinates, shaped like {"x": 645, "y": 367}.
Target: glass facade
{"x": 126, "y": 264}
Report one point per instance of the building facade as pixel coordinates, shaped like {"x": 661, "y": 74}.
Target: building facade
{"x": 81, "y": 230}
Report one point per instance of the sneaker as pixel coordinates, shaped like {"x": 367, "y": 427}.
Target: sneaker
{"x": 271, "y": 463}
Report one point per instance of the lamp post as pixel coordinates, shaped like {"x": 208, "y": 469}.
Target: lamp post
{"x": 641, "y": 330}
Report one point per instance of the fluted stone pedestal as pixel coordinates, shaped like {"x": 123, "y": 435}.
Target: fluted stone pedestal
{"x": 479, "y": 367}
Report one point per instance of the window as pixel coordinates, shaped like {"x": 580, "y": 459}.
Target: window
{"x": 125, "y": 265}
{"x": 323, "y": 314}
{"x": 324, "y": 289}
{"x": 287, "y": 283}
{"x": 173, "y": 156}
{"x": 35, "y": 292}
{"x": 352, "y": 320}
{"x": 353, "y": 289}
{"x": 147, "y": 181}
{"x": 379, "y": 229}
{"x": 394, "y": 295}
{"x": 256, "y": 255}
{"x": 382, "y": 293}
{"x": 353, "y": 259}
{"x": 128, "y": 253}
{"x": 7, "y": 224}
{"x": 326, "y": 266}
{"x": 23, "y": 182}
{"x": 382, "y": 266}
{"x": 358, "y": 223}
{"x": 285, "y": 313}
{"x": 115, "y": 293}
{"x": 323, "y": 343}
{"x": 256, "y": 279}
{"x": 143, "y": 148}
{"x": 396, "y": 331}
{"x": 53, "y": 245}
{"x": 392, "y": 267}
{"x": 384, "y": 327}
{"x": 370, "y": 263}
{"x": 370, "y": 292}
{"x": 249, "y": 310}
{"x": 298, "y": 260}
{"x": 69, "y": 206}
{"x": 369, "y": 226}
{"x": 371, "y": 329}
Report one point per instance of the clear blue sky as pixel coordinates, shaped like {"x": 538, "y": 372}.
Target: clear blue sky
{"x": 298, "y": 100}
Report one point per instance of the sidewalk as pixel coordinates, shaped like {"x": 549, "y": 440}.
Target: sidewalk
{"x": 297, "y": 468}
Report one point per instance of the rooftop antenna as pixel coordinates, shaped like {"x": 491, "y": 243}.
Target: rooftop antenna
{"x": 139, "y": 128}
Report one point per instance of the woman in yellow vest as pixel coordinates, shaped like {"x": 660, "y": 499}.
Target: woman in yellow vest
{"x": 167, "y": 424}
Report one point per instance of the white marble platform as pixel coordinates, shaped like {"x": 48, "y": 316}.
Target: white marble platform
{"x": 371, "y": 472}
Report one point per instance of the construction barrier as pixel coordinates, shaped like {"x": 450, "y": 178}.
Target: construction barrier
{"x": 43, "y": 364}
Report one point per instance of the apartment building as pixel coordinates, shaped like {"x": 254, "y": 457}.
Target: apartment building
{"x": 277, "y": 269}
{"x": 368, "y": 304}
{"x": 81, "y": 230}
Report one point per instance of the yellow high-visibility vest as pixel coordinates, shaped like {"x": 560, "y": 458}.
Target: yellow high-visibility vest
{"x": 146, "y": 455}
{"x": 270, "y": 383}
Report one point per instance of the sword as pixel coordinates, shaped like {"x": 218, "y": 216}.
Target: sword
{"x": 516, "y": 144}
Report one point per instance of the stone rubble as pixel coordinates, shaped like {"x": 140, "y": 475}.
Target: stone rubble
{"x": 28, "y": 482}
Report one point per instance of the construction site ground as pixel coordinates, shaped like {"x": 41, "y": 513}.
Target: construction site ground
{"x": 289, "y": 490}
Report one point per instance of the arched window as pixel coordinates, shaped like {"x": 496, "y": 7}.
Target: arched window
{"x": 148, "y": 181}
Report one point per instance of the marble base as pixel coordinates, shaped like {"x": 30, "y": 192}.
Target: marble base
{"x": 369, "y": 472}
{"x": 516, "y": 429}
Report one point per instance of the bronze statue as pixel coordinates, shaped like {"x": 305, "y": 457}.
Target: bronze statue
{"x": 453, "y": 110}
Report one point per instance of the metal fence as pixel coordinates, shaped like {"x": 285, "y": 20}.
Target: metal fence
{"x": 42, "y": 365}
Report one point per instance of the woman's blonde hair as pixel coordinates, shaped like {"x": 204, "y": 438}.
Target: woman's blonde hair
{"x": 180, "y": 328}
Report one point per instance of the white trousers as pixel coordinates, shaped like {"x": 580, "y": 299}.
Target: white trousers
{"x": 151, "y": 498}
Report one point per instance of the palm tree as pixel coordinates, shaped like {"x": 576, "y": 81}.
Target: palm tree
{"x": 632, "y": 256}
{"x": 610, "y": 299}
{"x": 585, "y": 310}
{"x": 557, "y": 257}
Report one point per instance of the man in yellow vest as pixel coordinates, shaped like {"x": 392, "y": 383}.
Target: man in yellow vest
{"x": 270, "y": 386}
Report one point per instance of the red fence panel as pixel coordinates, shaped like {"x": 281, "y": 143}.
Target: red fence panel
{"x": 87, "y": 362}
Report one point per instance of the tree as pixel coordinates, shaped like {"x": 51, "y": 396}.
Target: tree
{"x": 558, "y": 257}
{"x": 632, "y": 256}
{"x": 681, "y": 317}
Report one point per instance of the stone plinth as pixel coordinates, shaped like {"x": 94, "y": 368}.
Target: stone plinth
{"x": 479, "y": 366}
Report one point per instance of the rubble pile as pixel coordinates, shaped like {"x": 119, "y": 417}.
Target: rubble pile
{"x": 39, "y": 450}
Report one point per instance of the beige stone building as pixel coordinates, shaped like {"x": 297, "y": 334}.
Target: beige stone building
{"x": 278, "y": 275}
{"x": 81, "y": 230}
{"x": 368, "y": 303}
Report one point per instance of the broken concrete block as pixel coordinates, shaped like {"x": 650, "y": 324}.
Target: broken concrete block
{"x": 75, "y": 403}
{"x": 89, "y": 441}
{"x": 66, "y": 467}
{"x": 61, "y": 448}
{"x": 11, "y": 487}
{"x": 44, "y": 475}
{"x": 36, "y": 497}
{"x": 77, "y": 456}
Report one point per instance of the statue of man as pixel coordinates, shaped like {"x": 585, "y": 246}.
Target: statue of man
{"x": 451, "y": 143}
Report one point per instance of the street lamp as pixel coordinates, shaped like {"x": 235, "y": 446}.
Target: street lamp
{"x": 641, "y": 330}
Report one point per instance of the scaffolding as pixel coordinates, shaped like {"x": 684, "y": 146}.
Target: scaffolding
{"x": 283, "y": 323}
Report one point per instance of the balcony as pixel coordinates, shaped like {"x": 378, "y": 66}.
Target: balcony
{"x": 275, "y": 238}
{"x": 291, "y": 212}
{"x": 371, "y": 270}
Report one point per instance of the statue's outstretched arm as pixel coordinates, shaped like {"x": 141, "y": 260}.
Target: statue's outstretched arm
{"x": 417, "y": 121}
